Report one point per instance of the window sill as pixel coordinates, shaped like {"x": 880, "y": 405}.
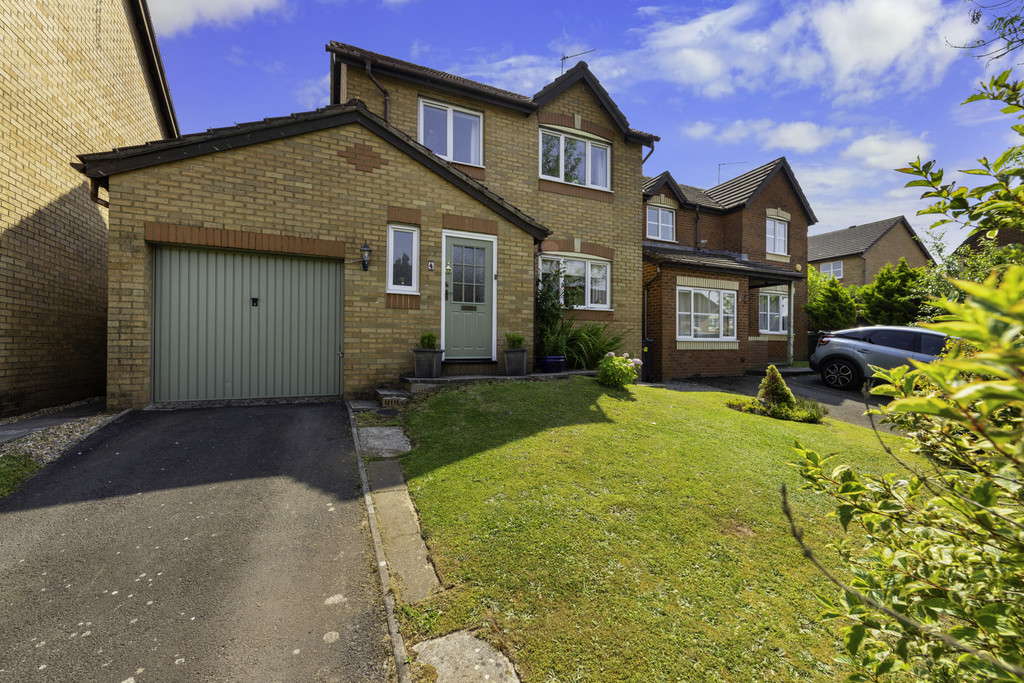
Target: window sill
{"x": 765, "y": 333}
{"x": 404, "y": 292}
{"x": 595, "y": 188}
{"x": 661, "y": 239}
{"x": 781, "y": 258}
{"x": 571, "y": 190}
{"x": 688, "y": 344}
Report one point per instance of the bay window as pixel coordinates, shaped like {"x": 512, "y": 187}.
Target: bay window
{"x": 705, "y": 314}
{"x": 574, "y": 160}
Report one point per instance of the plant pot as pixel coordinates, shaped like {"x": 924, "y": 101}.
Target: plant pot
{"x": 515, "y": 362}
{"x": 427, "y": 362}
{"x": 551, "y": 363}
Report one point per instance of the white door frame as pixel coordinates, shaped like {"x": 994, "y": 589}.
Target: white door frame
{"x": 493, "y": 239}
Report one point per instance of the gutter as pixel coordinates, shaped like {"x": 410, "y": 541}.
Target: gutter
{"x": 387, "y": 95}
{"x": 155, "y": 67}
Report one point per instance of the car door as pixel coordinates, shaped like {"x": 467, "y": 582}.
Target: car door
{"x": 887, "y": 348}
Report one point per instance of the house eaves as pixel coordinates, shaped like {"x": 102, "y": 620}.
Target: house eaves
{"x": 154, "y": 67}
{"x": 686, "y": 195}
{"x": 102, "y": 165}
{"x": 717, "y": 262}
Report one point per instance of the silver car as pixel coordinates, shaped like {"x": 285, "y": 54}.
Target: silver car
{"x": 842, "y": 358}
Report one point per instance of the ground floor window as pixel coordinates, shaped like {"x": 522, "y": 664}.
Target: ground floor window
{"x": 403, "y": 260}
{"x": 705, "y": 313}
{"x": 773, "y": 313}
{"x": 584, "y": 282}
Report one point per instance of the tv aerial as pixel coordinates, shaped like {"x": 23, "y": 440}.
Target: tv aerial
{"x": 578, "y": 54}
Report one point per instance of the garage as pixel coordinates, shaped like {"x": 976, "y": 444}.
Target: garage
{"x": 239, "y": 324}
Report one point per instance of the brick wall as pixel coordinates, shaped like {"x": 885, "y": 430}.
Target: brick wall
{"x": 71, "y": 81}
{"x": 315, "y": 187}
{"x": 511, "y": 169}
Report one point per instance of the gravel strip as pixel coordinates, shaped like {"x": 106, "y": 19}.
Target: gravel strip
{"x": 47, "y": 411}
{"x": 47, "y": 445}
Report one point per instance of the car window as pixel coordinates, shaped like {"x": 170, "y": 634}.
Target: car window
{"x": 852, "y": 334}
{"x": 894, "y": 339}
{"x": 932, "y": 344}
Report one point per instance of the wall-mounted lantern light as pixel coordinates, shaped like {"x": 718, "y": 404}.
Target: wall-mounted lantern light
{"x": 365, "y": 252}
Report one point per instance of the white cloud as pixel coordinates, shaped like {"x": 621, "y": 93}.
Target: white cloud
{"x": 314, "y": 93}
{"x": 801, "y": 137}
{"x": 698, "y": 130}
{"x": 887, "y": 151}
{"x": 175, "y": 16}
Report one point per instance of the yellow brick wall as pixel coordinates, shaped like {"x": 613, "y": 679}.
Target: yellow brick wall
{"x": 888, "y": 250}
{"x": 303, "y": 186}
{"x": 511, "y": 169}
{"x": 71, "y": 81}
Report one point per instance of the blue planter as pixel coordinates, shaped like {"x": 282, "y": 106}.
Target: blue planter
{"x": 551, "y": 363}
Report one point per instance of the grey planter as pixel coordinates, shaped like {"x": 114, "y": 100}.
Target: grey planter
{"x": 515, "y": 362}
{"x": 427, "y": 362}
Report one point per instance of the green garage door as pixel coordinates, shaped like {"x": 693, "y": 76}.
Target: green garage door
{"x": 244, "y": 325}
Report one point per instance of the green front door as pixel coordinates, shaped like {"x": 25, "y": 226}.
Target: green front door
{"x": 469, "y": 298}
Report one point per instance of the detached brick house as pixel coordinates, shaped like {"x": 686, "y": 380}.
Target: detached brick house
{"x": 856, "y": 254}
{"x": 724, "y": 286}
{"x": 236, "y": 254}
{"x": 74, "y": 75}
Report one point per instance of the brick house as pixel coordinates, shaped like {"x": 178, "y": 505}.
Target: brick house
{"x": 76, "y": 75}
{"x": 855, "y": 254}
{"x": 724, "y": 287}
{"x": 236, "y": 254}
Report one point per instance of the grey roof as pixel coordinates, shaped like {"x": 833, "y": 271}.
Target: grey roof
{"x": 1005, "y": 237}
{"x": 399, "y": 68}
{"x": 736, "y": 193}
{"x": 718, "y": 261}
{"x": 855, "y": 239}
{"x": 102, "y": 165}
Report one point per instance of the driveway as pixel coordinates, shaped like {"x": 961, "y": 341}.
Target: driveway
{"x": 846, "y": 406}
{"x": 225, "y": 544}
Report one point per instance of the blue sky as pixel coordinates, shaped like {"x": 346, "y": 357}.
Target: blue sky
{"x": 847, "y": 90}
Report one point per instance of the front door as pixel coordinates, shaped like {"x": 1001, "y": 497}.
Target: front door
{"x": 469, "y": 298}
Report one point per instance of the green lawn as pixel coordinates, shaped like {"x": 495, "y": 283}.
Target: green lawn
{"x": 634, "y": 535}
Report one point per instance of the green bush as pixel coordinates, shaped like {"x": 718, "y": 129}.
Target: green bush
{"x": 833, "y": 308}
{"x": 587, "y": 343}
{"x": 513, "y": 340}
{"x": 428, "y": 340}
{"x": 773, "y": 389}
{"x": 774, "y": 399}
{"x": 892, "y": 298}
{"x": 617, "y": 371}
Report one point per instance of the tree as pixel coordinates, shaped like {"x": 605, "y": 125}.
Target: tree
{"x": 892, "y": 298}
{"x": 833, "y": 308}
{"x": 971, "y": 264}
{"x": 1005, "y": 33}
{"x": 937, "y": 587}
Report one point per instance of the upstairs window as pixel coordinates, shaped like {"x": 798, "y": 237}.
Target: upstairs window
{"x": 832, "y": 269}
{"x": 584, "y": 283}
{"x": 451, "y": 133}
{"x": 773, "y": 313}
{"x": 661, "y": 224}
{"x": 574, "y": 160}
{"x": 777, "y": 242}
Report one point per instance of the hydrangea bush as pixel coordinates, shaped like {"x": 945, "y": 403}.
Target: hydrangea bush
{"x": 618, "y": 371}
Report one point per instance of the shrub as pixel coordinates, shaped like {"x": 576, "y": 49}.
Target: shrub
{"x": 428, "y": 340}
{"x": 774, "y": 399}
{"x": 588, "y": 343}
{"x": 833, "y": 309}
{"x": 617, "y": 371}
{"x": 514, "y": 340}
{"x": 892, "y": 298}
{"x": 773, "y": 389}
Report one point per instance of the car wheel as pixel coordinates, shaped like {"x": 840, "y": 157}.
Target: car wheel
{"x": 840, "y": 374}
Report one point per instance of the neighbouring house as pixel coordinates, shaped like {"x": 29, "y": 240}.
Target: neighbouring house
{"x": 724, "y": 282}
{"x": 236, "y": 255}
{"x": 1004, "y": 238}
{"x": 855, "y": 255}
{"x": 75, "y": 75}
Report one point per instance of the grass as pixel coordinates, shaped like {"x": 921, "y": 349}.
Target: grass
{"x": 623, "y": 535}
{"x": 15, "y": 469}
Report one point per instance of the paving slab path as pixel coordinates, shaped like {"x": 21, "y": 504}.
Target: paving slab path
{"x": 223, "y": 544}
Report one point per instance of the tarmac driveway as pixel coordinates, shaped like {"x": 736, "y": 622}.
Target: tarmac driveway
{"x": 208, "y": 544}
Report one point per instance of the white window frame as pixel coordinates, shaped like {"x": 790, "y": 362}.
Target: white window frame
{"x": 661, "y": 225}
{"x": 829, "y": 268}
{"x": 723, "y": 293}
{"x": 774, "y": 243}
{"x": 450, "y": 123}
{"x": 591, "y": 144}
{"x": 783, "y": 314}
{"x": 414, "y": 288}
{"x": 590, "y": 261}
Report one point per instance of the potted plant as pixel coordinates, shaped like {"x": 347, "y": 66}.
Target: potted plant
{"x": 515, "y": 354}
{"x": 552, "y": 330}
{"x": 427, "y": 356}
